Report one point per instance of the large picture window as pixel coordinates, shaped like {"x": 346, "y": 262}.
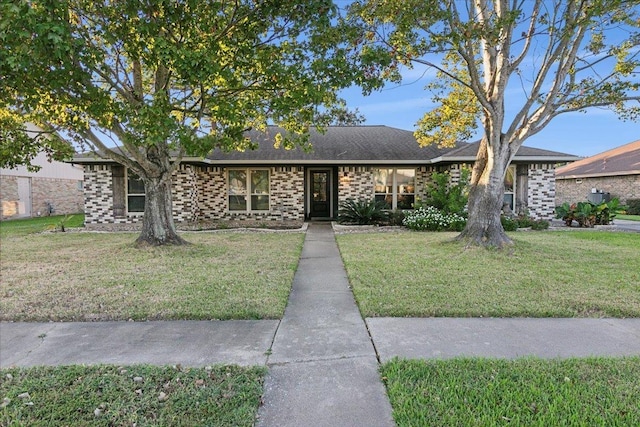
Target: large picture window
{"x": 135, "y": 193}
{"x": 248, "y": 190}
{"x": 395, "y": 187}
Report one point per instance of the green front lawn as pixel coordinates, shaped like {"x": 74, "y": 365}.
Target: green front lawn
{"x": 546, "y": 274}
{"x": 22, "y": 227}
{"x": 101, "y": 276}
{"x": 522, "y": 392}
{"x": 627, "y": 217}
{"x": 129, "y": 396}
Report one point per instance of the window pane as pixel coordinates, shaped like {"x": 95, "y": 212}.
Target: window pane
{"x": 260, "y": 203}
{"x": 405, "y": 201}
{"x": 405, "y": 179}
{"x": 508, "y": 200}
{"x": 134, "y": 184}
{"x": 237, "y": 182}
{"x": 509, "y": 179}
{"x": 259, "y": 182}
{"x": 384, "y": 198}
{"x": 383, "y": 180}
{"x": 237, "y": 203}
{"x": 135, "y": 203}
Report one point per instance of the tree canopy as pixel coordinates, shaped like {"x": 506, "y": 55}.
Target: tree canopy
{"x": 165, "y": 79}
{"x": 562, "y": 56}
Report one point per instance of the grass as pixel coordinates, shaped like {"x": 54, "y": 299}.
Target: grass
{"x": 627, "y": 217}
{"x": 547, "y": 274}
{"x": 22, "y": 227}
{"x": 101, "y": 276}
{"x": 522, "y": 392}
{"x": 135, "y": 395}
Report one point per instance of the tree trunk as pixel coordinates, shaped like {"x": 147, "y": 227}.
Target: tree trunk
{"x": 486, "y": 198}
{"x": 158, "y": 227}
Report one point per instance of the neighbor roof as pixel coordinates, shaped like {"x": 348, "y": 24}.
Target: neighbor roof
{"x": 353, "y": 145}
{"x": 624, "y": 160}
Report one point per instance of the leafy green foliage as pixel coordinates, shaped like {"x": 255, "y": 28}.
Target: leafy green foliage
{"x": 508, "y": 223}
{"x": 430, "y": 218}
{"x": 447, "y": 197}
{"x": 363, "y": 212}
{"x": 167, "y": 79}
{"x": 633, "y": 207}
{"x": 588, "y": 214}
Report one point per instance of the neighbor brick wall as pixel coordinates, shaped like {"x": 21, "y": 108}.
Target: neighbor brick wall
{"x": 542, "y": 191}
{"x": 8, "y": 196}
{"x": 64, "y": 195}
{"x": 573, "y": 191}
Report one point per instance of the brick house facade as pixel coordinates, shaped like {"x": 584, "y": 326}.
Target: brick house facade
{"x": 268, "y": 184}
{"x": 615, "y": 171}
{"x": 55, "y": 189}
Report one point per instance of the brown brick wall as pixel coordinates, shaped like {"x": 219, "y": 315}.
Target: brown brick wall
{"x": 576, "y": 190}
{"x": 65, "y": 196}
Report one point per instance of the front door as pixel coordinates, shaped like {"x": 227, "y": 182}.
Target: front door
{"x": 320, "y": 194}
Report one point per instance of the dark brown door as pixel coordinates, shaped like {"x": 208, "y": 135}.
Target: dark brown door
{"x": 320, "y": 201}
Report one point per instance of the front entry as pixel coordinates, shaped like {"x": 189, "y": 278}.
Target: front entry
{"x": 320, "y": 193}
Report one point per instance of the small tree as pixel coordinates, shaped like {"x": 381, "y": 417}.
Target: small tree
{"x": 448, "y": 197}
{"x": 165, "y": 79}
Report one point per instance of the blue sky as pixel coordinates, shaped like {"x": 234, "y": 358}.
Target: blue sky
{"x": 580, "y": 134}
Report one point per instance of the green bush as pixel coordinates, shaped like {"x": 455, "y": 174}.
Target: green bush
{"x": 508, "y": 223}
{"x": 540, "y": 224}
{"x": 448, "y": 198}
{"x": 362, "y": 212}
{"x": 430, "y": 218}
{"x": 588, "y": 214}
{"x": 396, "y": 217}
{"x": 633, "y": 207}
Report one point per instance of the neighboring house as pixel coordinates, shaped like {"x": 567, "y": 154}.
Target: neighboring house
{"x": 614, "y": 171}
{"x": 268, "y": 184}
{"x": 55, "y": 189}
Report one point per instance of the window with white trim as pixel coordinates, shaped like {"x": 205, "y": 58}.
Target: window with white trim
{"x": 510, "y": 187}
{"x": 248, "y": 190}
{"x": 395, "y": 187}
{"x": 135, "y": 193}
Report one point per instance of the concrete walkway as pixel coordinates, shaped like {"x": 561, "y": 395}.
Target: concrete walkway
{"x": 323, "y": 369}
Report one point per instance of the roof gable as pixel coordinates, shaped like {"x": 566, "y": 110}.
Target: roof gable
{"x": 623, "y": 160}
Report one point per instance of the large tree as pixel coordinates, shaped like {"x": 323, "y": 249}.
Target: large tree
{"x": 161, "y": 79}
{"x": 562, "y": 56}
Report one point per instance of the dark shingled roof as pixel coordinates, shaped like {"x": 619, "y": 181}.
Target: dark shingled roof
{"x": 353, "y": 145}
{"x": 624, "y": 160}
{"x": 338, "y": 145}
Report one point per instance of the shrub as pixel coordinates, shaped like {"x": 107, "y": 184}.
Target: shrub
{"x": 633, "y": 206}
{"x": 362, "y": 212}
{"x": 430, "y": 218}
{"x": 445, "y": 197}
{"x": 540, "y": 224}
{"x": 396, "y": 217}
{"x": 588, "y": 214}
{"x": 508, "y": 223}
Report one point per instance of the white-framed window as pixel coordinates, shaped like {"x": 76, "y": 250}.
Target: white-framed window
{"x": 248, "y": 189}
{"x": 135, "y": 193}
{"x": 510, "y": 187}
{"x": 395, "y": 187}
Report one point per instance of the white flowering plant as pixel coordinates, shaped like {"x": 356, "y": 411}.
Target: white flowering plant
{"x": 429, "y": 218}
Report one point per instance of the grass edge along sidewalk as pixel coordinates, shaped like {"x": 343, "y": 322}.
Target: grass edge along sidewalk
{"x": 546, "y": 274}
